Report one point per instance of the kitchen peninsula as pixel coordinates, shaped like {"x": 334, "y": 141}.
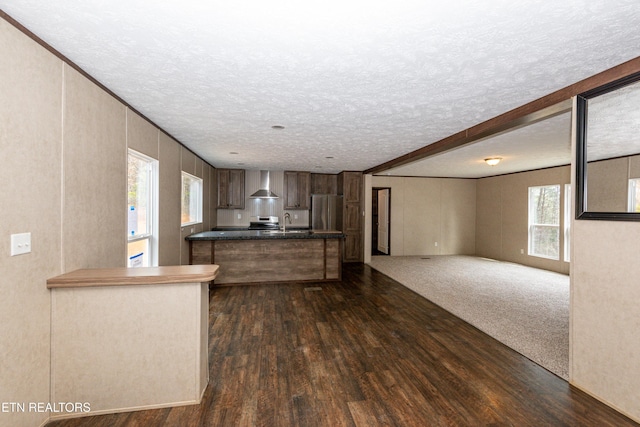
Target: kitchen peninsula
{"x": 256, "y": 256}
{"x": 126, "y": 339}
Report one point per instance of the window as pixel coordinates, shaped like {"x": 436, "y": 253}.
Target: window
{"x": 634, "y": 195}
{"x": 142, "y": 190}
{"x": 191, "y": 199}
{"x": 567, "y": 222}
{"x": 544, "y": 221}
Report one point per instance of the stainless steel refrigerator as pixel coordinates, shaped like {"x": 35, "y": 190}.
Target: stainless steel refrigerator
{"x": 325, "y": 213}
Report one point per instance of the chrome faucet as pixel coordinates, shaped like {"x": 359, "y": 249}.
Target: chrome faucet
{"x": 287, "y": 216}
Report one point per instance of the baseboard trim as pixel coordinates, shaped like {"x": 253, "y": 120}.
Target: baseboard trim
{"x": 128, "y": 409}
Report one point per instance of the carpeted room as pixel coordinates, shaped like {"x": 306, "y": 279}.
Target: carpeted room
{"x": 493, "y": 282}
{"x": 523, "y": 307}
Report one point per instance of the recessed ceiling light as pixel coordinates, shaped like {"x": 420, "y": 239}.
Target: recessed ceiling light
{"x": 232, "y": 152}
{"x": 329, "y": 157}
{"x": 277, "y": 127}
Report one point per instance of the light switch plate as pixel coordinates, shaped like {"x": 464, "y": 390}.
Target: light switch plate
{"x": 20, "y": 244}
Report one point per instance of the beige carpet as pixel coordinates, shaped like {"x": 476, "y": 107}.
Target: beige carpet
{"x": 523, "y": 307}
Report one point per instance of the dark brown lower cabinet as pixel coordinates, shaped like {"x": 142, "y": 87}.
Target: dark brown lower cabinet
{"x": 353, "y": 248}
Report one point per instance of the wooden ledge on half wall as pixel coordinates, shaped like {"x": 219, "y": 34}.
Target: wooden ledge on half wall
{"x": 135, "y": 276}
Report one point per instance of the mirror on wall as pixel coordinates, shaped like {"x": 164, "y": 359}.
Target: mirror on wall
{"x": 608, "y": 151}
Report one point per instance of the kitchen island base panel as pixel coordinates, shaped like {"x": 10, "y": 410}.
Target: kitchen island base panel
{"x": 333, "y": 259}
{"x": 255, "y": 260}
{"x": 264, "y": 261}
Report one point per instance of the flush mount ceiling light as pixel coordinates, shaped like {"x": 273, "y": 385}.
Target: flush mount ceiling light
{"x": 277, "y": 127}
{"x": 492, "y": 161}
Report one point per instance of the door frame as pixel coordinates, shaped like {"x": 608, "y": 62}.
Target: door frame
{"x": 374, "y": 224}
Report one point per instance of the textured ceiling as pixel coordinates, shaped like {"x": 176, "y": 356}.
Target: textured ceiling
{"x": 362, "y": 82}
{"x": 539, "y": 145}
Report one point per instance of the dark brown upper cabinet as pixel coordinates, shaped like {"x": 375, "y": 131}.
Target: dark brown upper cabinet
{"x": 230, "y": 188}
{"x": 297, "y": 190}
{"x": 324, "y": 183}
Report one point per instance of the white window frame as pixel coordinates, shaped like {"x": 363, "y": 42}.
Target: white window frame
{"x": 568, "y": 214}
{"x": 194, "y": 203}
{"x": 152, "y": 230}
{"x": 632, "y": 201}
{"x": 533, "y": 226}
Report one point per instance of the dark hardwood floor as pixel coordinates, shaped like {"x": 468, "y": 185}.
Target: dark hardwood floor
{"x": 365, "y": 351}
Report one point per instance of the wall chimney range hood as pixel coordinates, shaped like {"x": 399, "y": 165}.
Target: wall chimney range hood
{"x": 264, "y": 192}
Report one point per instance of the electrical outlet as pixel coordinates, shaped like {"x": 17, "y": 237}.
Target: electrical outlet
{"x": 20, "y": 244}
{"x": 239, "y": 216}
{"x": 522, "y": 251}
{"x": 436, "y": 244}
{"x": 295, "y": 216}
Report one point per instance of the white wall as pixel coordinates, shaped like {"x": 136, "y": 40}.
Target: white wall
{"x": 94, "y": 144}
{"x": 63, "y": 162}
{"x": 604, "y": 315}
{"x": 30, "y": 201}
{"x": 605, "y": 319}
{"x": 502, "y": 216}
{"x": 429, "y": 216}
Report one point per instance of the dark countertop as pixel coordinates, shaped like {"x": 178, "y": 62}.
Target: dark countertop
{"x": 264, "y": 235}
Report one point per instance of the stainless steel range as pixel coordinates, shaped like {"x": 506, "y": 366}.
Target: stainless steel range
{"x": 264, "y": 223}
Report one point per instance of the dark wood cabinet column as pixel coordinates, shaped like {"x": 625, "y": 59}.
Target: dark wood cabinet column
{"x": 350, "y": 187}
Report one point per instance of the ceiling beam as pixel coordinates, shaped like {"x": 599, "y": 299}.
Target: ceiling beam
{"x": 541, "y": 108}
